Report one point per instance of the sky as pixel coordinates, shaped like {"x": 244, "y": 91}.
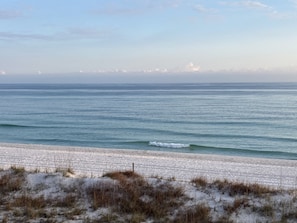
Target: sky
{"x": 148, "y": 40}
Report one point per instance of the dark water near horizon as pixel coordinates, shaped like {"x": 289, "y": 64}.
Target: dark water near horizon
{"x": 252, "y": 119}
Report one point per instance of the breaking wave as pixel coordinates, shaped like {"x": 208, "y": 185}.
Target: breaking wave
{"x": 169, "y": 145}
{"x": 225, "y": 151}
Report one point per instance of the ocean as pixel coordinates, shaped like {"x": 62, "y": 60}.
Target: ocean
{"x": 241, "y": 119}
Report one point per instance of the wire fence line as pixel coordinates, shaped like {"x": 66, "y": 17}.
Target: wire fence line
{"x": 96, "y": 164}
{"x": 275, "y": 180}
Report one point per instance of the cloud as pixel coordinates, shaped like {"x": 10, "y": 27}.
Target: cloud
{"x": 190, "y": 67}
{"x": 164, "y": 4}
{"x": 10, "y": 14}
{"x": 116, "y": 10}
{"x": 258, "y": 6}
{"x": 88, "y": 33}
{"x": 130, "y": 7}
{"x": 202, "y": 9}
{"x": 67, "y": 34}
{"x": 23, "y": 36}
{"x": 255, "y": 5}
{"x": 294, "y": 3}
{"x": 248, "y": 4}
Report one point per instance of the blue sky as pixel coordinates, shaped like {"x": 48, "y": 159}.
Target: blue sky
{"x": 150, "y": 38}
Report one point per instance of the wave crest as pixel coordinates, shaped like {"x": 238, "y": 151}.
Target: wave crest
{"x": 4, "y": 125}
{"x": 169, "y": 145}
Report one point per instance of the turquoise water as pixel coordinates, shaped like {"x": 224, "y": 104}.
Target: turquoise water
{"x": 255, "y": 119}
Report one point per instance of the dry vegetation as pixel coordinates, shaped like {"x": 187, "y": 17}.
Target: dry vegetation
{"x": 125, "y": 196}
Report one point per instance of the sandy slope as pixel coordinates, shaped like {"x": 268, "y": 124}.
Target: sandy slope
{"x": 184, "y": 167}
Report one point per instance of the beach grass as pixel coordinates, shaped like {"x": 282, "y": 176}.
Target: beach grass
{"x": 126, "y": 196}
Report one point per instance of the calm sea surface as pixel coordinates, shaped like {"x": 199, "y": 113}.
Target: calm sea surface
{"x": 257, "y": 120}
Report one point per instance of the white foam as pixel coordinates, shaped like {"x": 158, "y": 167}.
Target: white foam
{"x": 169, "y": 145}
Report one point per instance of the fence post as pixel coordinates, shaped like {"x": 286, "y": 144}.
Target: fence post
{"x": 133, "y": 167}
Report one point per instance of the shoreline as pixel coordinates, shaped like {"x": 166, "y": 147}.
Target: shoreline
{"x": 89, "y": 161}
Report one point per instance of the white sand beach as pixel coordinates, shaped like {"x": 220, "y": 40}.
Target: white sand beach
{"x": 182, "y": 166}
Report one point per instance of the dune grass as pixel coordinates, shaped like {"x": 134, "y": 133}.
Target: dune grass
{"x": 126, "y": 196}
